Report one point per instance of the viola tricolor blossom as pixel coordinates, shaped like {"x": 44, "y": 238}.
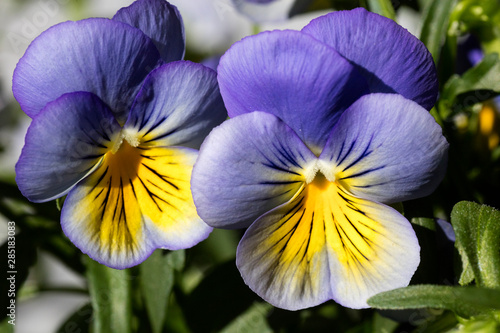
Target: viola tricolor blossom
{"x": 116, "y": 124}
{"x": 328, "y": 127}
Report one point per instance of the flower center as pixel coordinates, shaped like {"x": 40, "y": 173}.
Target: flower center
{"x": 319, "y": 171}
{"x": 123, "y": 163}
{"x": 320, "y": 182}
{"x": 130, "y": 136}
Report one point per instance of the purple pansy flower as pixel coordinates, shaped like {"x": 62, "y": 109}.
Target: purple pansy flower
{"x": 328, "y": 126}
{"x": 116, "y": 121}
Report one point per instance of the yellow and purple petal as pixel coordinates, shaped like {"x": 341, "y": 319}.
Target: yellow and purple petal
{"x": 139, "y": 199}
{"x": 108, "y": 58}
{"x": 391, "y": 59}
{"x": 327, "y": 244}
{"x": 386, "y": 148}
{"x": 179, "y": 104}
{"x": 161, "y": 22}
{"x": 293, "y": 76}
{"x": 247, "y": 166}
{"x": 65, "y": 141}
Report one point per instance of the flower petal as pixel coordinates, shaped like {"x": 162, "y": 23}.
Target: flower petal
{"x": 392, "y": 59}
{"x": 387, "y": 149}
{"x": 137, "y": 200}
{"x": 161, "y": 22}
{"x": 64, "y": 142}
{"x": 293, "y": 76}
{"x": 105, "y": 57}
{"x": 326, "y": 244}
{"x": 179, "y": 104}
{"x": 247, "y": 166}
{"x": 165, "y": 197}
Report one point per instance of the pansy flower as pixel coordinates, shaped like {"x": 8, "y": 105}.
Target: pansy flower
{"x": 116, "y": 124}
{"x": 328, "y": 127}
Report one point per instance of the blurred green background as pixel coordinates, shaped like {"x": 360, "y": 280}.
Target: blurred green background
{"x": 199, "y": 289}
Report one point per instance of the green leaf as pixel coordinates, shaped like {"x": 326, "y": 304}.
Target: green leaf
{"x": 78, "y": 321}
{"x": 5, "y": 327}
{"x": 464, "y": 301}
{"x": 382, "y": 7}
{"x": 157, "y": 280}
{"x": 177, "y": 259}
{"x": 482, "y": 19}
{"x": 436, "y": 18}
{"x": 399, "y": 207}
{"x": 252, "y": 320}
{"x": 424, "y": 222}
{"x": 61, "y": 247}
{"x": 425, "y": 229}
{"x": 439, "y": 323}
{"x": 176, "y": 321}
{"x": 220, "y": 246}
{"x": 60, "y": 202}
{"x": 480, "y": 83}
{"x": 19, "y": 251}
{"x": 382, "y": 324}
{"x": 110, "y": 296}
{"x": 477, "y": 229}
{"x": 219, "y": 298}
{"x": 482, "y": 324}
{"x": 424, "y": 3}
{"x": 467, "y": 275}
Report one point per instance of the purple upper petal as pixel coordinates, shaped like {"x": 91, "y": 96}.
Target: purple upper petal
{"x": 179, "y": 104}
{"x": 293, "y": 76}
{"x": 161, "y": 22}
{"x": 386, "y": 148}
{"x": 247, "y": 166}
{"x": 101, "y": 56}
{"x": 392, "y": 59}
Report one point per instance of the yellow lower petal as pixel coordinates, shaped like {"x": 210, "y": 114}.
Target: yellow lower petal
{"x": 164, "y": 192}
{"x": 322, "y": 213}
{"x": 138, "y": 199}
{"x": 324, "y": 244}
